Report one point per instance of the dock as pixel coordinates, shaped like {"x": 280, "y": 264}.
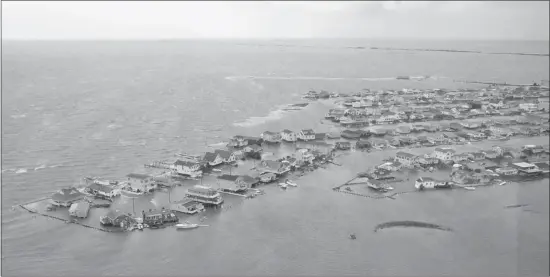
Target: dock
{"x": 160, "y": 165}
{"x": 231, "y": 193}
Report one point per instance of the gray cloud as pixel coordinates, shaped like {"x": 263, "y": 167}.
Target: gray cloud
{"x": 271, "y": 19}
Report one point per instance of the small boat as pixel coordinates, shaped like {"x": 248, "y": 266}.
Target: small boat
{"x": 186, "y": 225}
{"x": 469, "y": 188}
{"x": 283, "y": 185}
{"x": 216, "y": 170}
{"x": 352, "y": 236}
{"x": 502, "y": 184}
{"x": 290, "y": 183}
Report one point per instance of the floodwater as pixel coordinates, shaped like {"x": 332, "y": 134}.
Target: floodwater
{"x": 74, "y": 109}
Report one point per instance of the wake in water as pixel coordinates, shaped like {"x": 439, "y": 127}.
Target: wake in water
{"x": 277, "y": 114}
{"x": 409, "y": 223}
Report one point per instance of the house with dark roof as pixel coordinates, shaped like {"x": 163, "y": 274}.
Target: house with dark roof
{"x": 212, "y": 159}
{"x": 66, "y": 197}
{"x": 102, "y": 190}
{"x": 246, "y": 181}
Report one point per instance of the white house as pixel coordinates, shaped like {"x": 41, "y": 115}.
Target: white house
{"x": 444, "y": 154}
{"x": 271, "y": 137}
{"x": 528, "y": 107}
{"x": 226, "y": 156}
{"x": 406, "y": 159}
{"x": 387, "y": 117}
{"x": 428, "y": 183}
{"x": 507, "y": 171}
{"x": 188, "y": 168}
{"x": 238, "y": 141}
{"x": 288, "y": 135}
{"x": 306, "y": 134}
{"x": 102, "y": 190}
{"x": 460, "y": 157}
{"x": 141, "y": 182}
{"x": 304, "y": 155}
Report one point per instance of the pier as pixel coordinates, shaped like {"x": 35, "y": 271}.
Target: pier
{"x": 161, "y": 165}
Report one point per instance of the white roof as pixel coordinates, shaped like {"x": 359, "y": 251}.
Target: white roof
{"x": 523, "y": 164}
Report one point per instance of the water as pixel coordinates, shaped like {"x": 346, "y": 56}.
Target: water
{"x": 74, "y": 109}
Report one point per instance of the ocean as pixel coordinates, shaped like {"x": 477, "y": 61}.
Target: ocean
{"x": 97, "y": 108}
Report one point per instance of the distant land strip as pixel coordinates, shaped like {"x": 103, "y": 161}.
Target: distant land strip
{"x": 402, "y": 49}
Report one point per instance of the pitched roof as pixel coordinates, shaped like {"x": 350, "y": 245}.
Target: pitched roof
{"x": 67, "y": 194}
{"x": 308, "y": 132}
{"x": 210, "y": 157}
{"x": 286, "y": 131}
{"x": 224, "y": 154}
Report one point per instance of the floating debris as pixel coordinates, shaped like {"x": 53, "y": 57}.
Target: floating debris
{"x": 516, "y": 206}
{"x": 408, "y": 223}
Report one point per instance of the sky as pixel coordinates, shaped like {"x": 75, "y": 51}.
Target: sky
{"x": 469, "y": 20}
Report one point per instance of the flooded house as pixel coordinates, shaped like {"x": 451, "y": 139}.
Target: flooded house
{"x": 274, "y": 167}
{"x": 267, "y": 177}
{"x": 102, "y": 191}
{"x": 444, "y": 154}
{"x": 457, "y": 158}
{"x": 351, "y": 134}
{"x": 66, "y": 197}
{"x": 362, "y": 144}
{"x": 212, "y": 159}
{"x": 507, "y": 171}
{"x": 306, "y": 134}
{"x": 304, "y": 156}
{"x": 526, "y": 169}
{"x": 391, "y": 166}
{"x": 141, "y": 182}
{"x": 238, "y": 142}
{"x": 204, "y": 195}
{"x": 429, "y": 183}
{"x": 226, "y": 156}
{"x": 247, "y": 181}
{"x": 271, "y": 137}
{"x": 79, "y": 209}
{"x": 187, "y": 168}
{"x": 403, "y": 130}
{"x": 406, "y": 159}
{"x": 343, "y": 145}
{"x": 158, "y": 217}
{"x": 187, "y": 206}
{"x": 117, "y": 218}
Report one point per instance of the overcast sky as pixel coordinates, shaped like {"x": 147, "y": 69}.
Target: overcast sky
{"x": 270, "y": 19}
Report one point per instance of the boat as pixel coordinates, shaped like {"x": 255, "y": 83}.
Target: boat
{"x": 290, "y": 183}
{"x": 186, "y": 225}
{"x": 352, "y": 236}
{"x": 469, "y": 188}
{"x": 502, "y": 184}
{"x": 283, "y": 185}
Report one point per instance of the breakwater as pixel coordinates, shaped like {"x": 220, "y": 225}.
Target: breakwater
{"x": 69, "y": 221}
{"x": 409, "y": 223}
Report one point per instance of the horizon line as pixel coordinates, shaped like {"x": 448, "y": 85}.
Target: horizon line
{"x": 266, "y": 39}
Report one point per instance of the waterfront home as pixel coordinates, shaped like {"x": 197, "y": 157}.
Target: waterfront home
{"x": 102, "y": 190}
{"x": 362, "y": 144}
{"x": 205, "y": 195}
{"x": 237, "y": 142}
{"x": 395, "y": 142}
{"x": 405, "y": 158}
{"x": 491, "y": 154}
{"x": 351, "y": 134}
{"x": 252, "y": 149}
{"x": 528, "y": 107}
{"x": 387, "y": 117}
{"x": 306, "y": 134}
{"x": 403, "y": 130}
{"x": 271, "y": 137}
{"x": 469, "y": 125}
{"x": 378, "y": 132}
{"x": 378, "y": 143}
{"x": 79, "y": 209}
{"x": 455, "y": 126}
{"x": 246, "y": 181}
{"x": 320, "y": 146}
{"x": 428, "y": 183}
{"x": 424, "y": 141}
{"x": 463, "y": 177}
{"x": 509, "y": 152}
{"x": 475, "y": 135}
{"x": 273, "y": 167}
{"x": 343, "y": 145}
{"x": 476, "y": 156}
{"x": 507, "y": 171}
{"x": 391, "y": 166}
{"x": 226, "y": 156}
{"x": 140, "y": 182}
{"x": 444, "y": 154}
{"x": 253, "y": 140}
{"x": 188, "y": 168}
{"x": 117, "y": 218}
{"x": 407, "y": 140}
{"x": 66, "y": 197}
{"x": 303, "y": 156}
{"x": 158, "y": 217}
{"x": 212, "y": 159}
{"x": 526, "y": 168}
{"x": 335, "y": 113}
{"x": 187, "y": 206}
{"x": 436, "y": 139}
{"x": 457, "y": 158}
{"x": 267, "y": 177}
